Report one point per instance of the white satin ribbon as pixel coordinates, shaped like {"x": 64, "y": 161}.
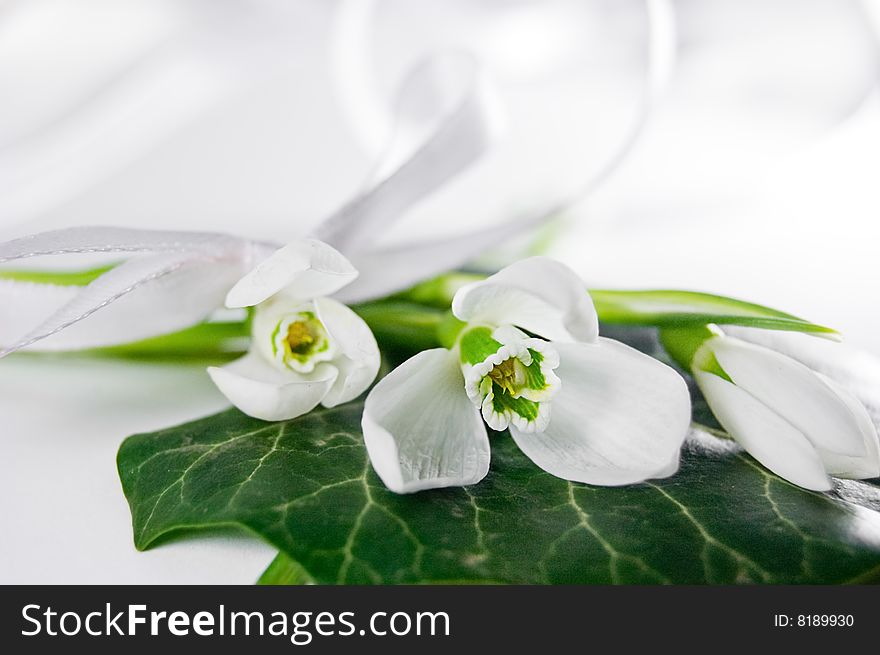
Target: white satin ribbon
{"x": 388, "y": 269}
{"x": 447, "y": 118}
{"x": 169, "y": 281}
{"x": 192, "y": 62}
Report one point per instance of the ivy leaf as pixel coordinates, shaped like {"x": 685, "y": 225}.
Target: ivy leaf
{"x": 307, "y": 488}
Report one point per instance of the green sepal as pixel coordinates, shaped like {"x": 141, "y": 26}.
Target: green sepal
{"x": 683, "y": 344}
{"x": 476, "y": 344}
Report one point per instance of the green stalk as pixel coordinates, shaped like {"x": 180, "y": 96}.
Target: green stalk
{"x": 676, "y": 308}
{"x": 683, "y": 345}
{"x": 58, "y": 278}
{"x": 656, "y": 308}
{"x": 419, "y": 318}
{"x": 210, "y": 342}
{"x": 403, "y": 325}
{"x": 439, "y": 291}
{"x": 284, "y": 571}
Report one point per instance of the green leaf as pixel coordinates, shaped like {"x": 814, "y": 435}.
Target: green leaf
{"x": 306, "y": 487}
{"x": 60, "y": 278}
{"x": 661, "y": 307}
{"x": 670, "y": 308}
{"x": 211, "y": 341}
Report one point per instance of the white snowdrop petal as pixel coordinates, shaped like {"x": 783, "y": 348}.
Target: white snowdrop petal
{"x": 309, "y": 268}
{"x": 420, "y": 428}
{"x": 620, "y": 417}
{"x": 767, "y": 436}
{"x": 537, "y": 294}
{"x": 260, "y": 390}
{"x": 358, "y": 356}
{"x": 854, "y": 468}
{"x": 854, "y": 368}
{"x": 793, "y": 391}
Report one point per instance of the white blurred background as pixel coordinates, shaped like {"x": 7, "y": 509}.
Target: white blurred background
{"x": 753, "y": 174}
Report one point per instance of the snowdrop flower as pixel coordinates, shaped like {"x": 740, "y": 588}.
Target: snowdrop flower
{"x": 857, "y": 370}
{"x": 796, "y": 421}
{"x": 449, "y": 116}
{"x": 581, "y": 407}
{"x": 170, "y": 280}
{"x": 306, "y": 348}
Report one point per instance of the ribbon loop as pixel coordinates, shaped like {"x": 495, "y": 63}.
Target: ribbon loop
{"x": 447, "y": 118}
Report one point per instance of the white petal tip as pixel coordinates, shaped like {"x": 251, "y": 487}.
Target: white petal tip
{"x": 306, "y": 268}
{"x": 420, "y": 429}
{"x": 825, "y": 485}
{"x": 256, "y": 390}
{"x": 238, "y": 297}
{"x": 538, "y": 294}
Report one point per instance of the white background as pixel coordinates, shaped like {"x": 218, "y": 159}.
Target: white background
{"x": 755, "y": 177}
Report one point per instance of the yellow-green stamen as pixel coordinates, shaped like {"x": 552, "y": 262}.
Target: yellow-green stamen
{"x": 300, "y": 341}
{"x": 508, "y": 381}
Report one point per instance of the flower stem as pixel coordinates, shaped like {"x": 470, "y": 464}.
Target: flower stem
{"x": 57, "y": 278}
{"x": 403, "y": 325}
{"x": 284, "y": 571}
{"x": 419, "y": 318}
{"x": 683, "y": 345}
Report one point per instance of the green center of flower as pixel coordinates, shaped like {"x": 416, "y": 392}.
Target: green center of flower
{"x": 301, "y": 337}
{"x": 510, "y": 377}
{"x": 300, "y": 341}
